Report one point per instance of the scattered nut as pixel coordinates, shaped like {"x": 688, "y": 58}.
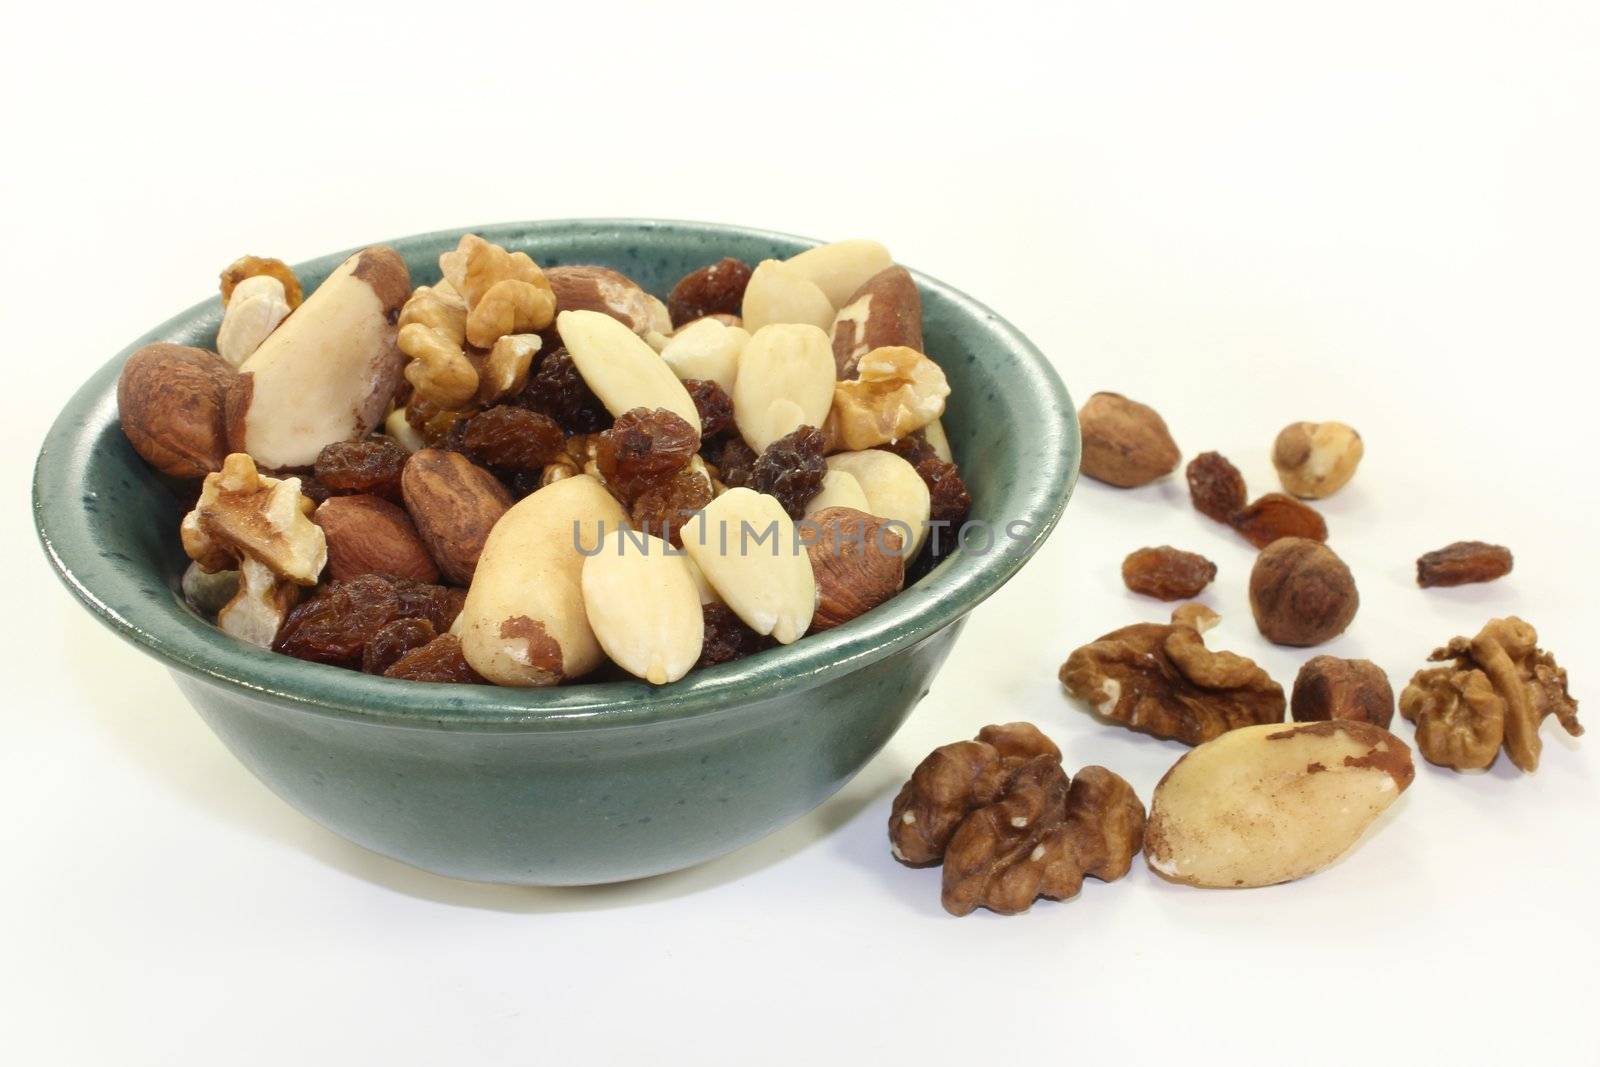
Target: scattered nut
{"x": 524, "y": 622}
{"x": 785, "y": 381}
{"x": 254, "y": 310}
{"x": 1301, "y": 593}
{"x": 1497, "y": 691}
{"x": 172, "y": 401}
{"x": 1215, "y": 486}
{"x": 246, "y": 267}
{"x": 1316, "y": 459}
{"x": 369, "y": 535}
{"x": 1269, "y": 804}
{"x": 1167, "y": 573}
{"x": 886, "y": 312}
{"x": 746, "y": 546}
{"x": 1330, "y": 688}
{"x": 897, "y": 391}
{"x": 707, "y": 351}
{"x": 842, "y": 267}
{"x": 714, "y": 290}
{"x": 454, "y": 504}
{"x": 327, "y": 374}
{"x": 1463, "y": 562}
{"x": 624, "y": 372}
{"x": 1162, "y": 680}
{"x": 777, "y": 293}
{"x": 894, "y": 490}
{"x": 641, "y": 598}
{"x": 857, "y": 562}
{"x": 1125, "y": 443}
{"x": 1276, "y": 516}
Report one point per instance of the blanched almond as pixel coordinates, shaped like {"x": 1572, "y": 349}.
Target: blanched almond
{"x": 785, "y": 381}
{"x": 839, "y": 490}
{"x": 624, "y": 371}
{"x": 895, "y": 491}
{"x": 840, "y": 268}
{"x": 642, "y": 603}
{"x": 747, "y": 548}
{"x": 936, "y": 436}
{"x": 708, "y": 351}
{"x": 778, "y": 293}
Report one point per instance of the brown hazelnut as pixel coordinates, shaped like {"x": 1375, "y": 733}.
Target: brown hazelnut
{"x": 1328, "y": 687}
{"x": 1301, "y": 593}
{"x": 1125, "y": 443}
{"x": 1316, "y": 459}
{"x": 857, "y": 562}
{"x": 171, "y": 400}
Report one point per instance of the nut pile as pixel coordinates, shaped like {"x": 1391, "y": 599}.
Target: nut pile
{"x": 515, "y": 475}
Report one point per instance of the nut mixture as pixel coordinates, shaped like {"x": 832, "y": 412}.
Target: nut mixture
{"x": 513, "y": 474}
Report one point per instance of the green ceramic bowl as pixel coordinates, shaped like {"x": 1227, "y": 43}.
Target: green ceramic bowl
{"x": 585, "y": 783}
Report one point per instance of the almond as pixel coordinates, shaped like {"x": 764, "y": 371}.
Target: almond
{"x": 841, "y": 268}
{"x": 857, "y": 561}
{"x": 778, "y": 293}
{"x": 604, "y": 290}
{"x": 895, "y": 491}
{"x": 839, "y": 490}
{"x": 171, "y": 400}
{"x": 621, "y": 369}
{"x": 642, "y": 602}
{"x": 885, "y": 312}
{"x": 454, "y": 505}
{"x": 707, "y": 350}
{"x": 369, "y": 535}
{"x": 785, "y": 381}
{"x": 748, "y": 549}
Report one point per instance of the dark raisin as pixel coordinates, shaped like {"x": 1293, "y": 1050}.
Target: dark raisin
{"x": 1278, "y": 515}
{"x": 791, "y": 469}
{"x": 1215, "y": 486}
{"x": 440, "y": 660}
{"x": 663, "y": 507}
{"x": 555, "y": 388}
{"x": 714, "y": 290}
{"x": 949, "y": 501}
{"x": 643, "y": 447}
{"x": 1167, "y": 573}
{"x": 371, "y": 466}
{"x": 336, "y": 623}
{"x": 1463, "y": 562}
{"x": 735, "y": 462}
{"x": 713, "y": 404}
{"x": 393, "y": 641}
{"x": 511, "y": 440}
{"x": 727, "y": 637}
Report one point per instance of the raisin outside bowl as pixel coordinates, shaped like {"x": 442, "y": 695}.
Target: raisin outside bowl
{"x": 584, "y": 783}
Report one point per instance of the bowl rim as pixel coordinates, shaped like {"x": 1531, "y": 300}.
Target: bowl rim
{"x": 187, "y": 643}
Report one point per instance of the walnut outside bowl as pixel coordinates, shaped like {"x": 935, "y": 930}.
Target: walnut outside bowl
{"x": 584, "y": 783}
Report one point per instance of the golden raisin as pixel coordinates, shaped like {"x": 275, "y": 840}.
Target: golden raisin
{"x": 643, "y": 447}
{"x": 1463, "y": 562}
{"x": 714, "y": 290}
{"x": 371, "y": 466}
{"x": 1215, "y": 486}
{"x": 254, "y": 266}
{"x": 1278, "y": 515}
{"x": 511, "y": 440}
{"x": 665, "y": 506}
{"x": 1167, "y": 573}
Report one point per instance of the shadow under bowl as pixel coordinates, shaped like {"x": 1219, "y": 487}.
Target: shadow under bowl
{"x": 585, "y": 783}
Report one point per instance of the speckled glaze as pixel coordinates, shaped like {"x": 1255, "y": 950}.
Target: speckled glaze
{"x": 585, "y": 783}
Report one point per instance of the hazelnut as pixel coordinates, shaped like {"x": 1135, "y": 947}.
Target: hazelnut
{"x": 1328, "y": 687}
{"x": 1316, "y": 459}
{"x": 857, "y": 561}
{"x": 1125, "y": 443}
{"x": 1301, "y": 592}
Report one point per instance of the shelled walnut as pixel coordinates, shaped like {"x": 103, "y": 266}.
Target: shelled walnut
{"x": 1162, "y": 680}
{"x": 1496, "y": 691}
{"x": 1009, "y": 825}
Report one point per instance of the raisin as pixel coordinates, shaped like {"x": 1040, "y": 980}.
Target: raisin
{"x": 511, "y": 440}
{"x": 555, "y": 388}
{"x": 1278, "y": 515}
{"x": 664, "y": 507}
{"x": 440, "y": 660}
{"x": 949, "y": 500}
{"x": 713, "y": 404}
{"x": 1463, "y": 562}
{"x": 644, "y": 446}
{"x": 336, "y": 623}
{"x": 371, "y": 466}
{"x": 393, "y": 641}
{"x": 714, "y": 290}
{"x": 432, "y": 422}
{"x": 727, "y": 637}
{"x": 1215, "y": 486}
{"x": 1167, "y": 573}
{"x": 735, "y": 463}
{"x": 791, "y": 469}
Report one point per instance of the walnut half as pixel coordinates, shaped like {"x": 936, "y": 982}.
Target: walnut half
{"x": 1162, "y": 679}
{"x": 1496, "y": 692}
{"x": 1008, "y": 823}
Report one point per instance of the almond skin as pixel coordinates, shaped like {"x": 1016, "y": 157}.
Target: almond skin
{"x": 172, "y": 402}
{"x": 886, "y": 312}
{"x": 369, "y": 535}
{"x": 857, "y": 561}
{"x": 454, "y": 504}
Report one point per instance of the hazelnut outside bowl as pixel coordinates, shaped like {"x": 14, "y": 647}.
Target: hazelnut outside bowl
{"x": 585, "y": 783}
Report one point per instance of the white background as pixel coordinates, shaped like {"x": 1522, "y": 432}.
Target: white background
{"x": 1378, "y": 212}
